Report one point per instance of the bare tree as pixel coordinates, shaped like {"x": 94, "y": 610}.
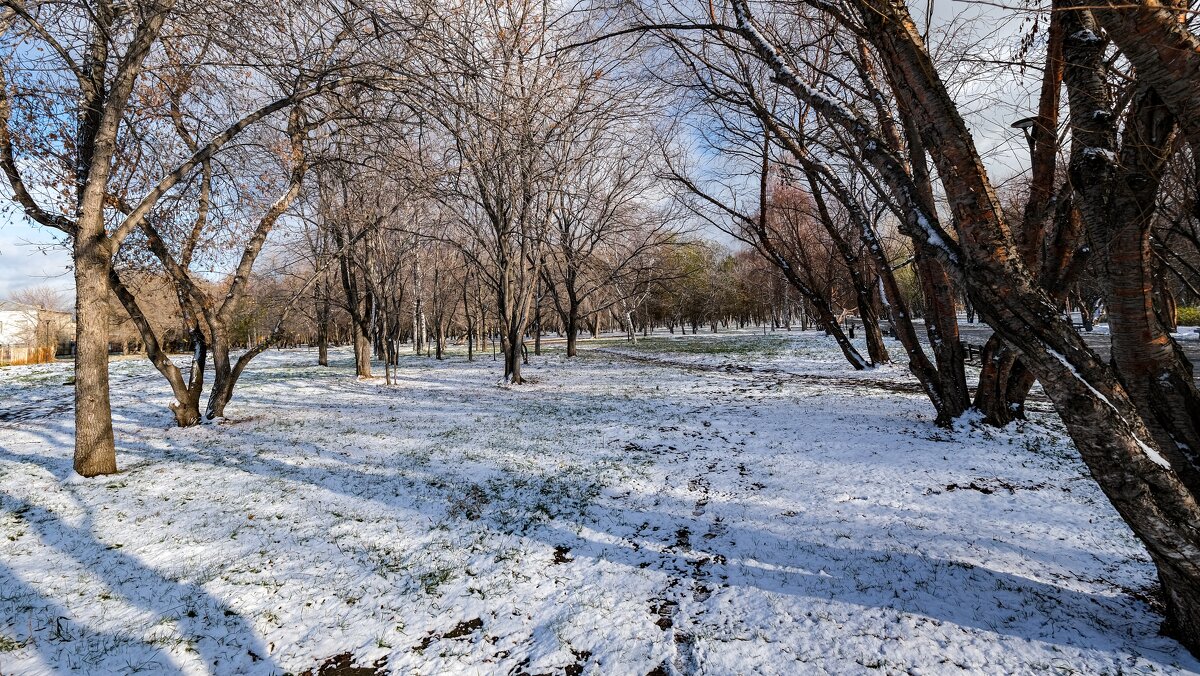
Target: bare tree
{"x": 91, "y": 178}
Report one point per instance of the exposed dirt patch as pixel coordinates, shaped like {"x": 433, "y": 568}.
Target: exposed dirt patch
{"x": 343, "y": 665}
{"x": 460, "y": 630}
{"x": 560, "y": 555}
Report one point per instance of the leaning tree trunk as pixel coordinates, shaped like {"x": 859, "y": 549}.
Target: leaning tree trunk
{"x": 186, "y": 407}
{"x": 941, "y": 311}
{"x": 1159, "y": 42}
{"x": 896, "y": 305}
{"x": 862, "y": 287}
{"x": 828, "y": 321}
{"x": 1107, "y": 428}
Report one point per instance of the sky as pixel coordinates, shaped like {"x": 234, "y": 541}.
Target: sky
{"x": 31, "y": 255}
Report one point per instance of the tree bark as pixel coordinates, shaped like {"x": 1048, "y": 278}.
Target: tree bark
{"x": 323, "y": 322}
{"x": 95, "y": 452}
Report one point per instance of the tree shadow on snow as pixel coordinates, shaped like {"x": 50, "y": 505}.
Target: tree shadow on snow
{"x": 890, "y": 585}
{"x": 740, "y": 556}
{"x": 221, "y": 638}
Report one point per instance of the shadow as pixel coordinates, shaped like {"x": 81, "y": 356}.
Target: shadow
{"x": 41, "y": 623}
{"x": 743, "y": 557}
{"x": 221, "y": 638}
{"x": 635, "y": 530}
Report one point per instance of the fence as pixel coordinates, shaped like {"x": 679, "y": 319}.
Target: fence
{"x": 13, "y": 355}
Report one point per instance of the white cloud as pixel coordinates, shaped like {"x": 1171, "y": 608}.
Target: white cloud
{"x": 31, "y": 255}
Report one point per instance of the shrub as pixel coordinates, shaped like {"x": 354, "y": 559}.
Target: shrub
{"x": 1188, "y": 316}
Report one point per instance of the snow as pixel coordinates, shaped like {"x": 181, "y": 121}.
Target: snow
{"x": 1093, "y": 153}
{"x": 709, "y": 504}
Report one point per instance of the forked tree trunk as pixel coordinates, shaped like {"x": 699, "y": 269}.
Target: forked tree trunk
{"x": 1004, "y": 383}
{"x": 1117, "y": 191}
{"x": 941, "y": 317}
{"x": 510, "y": 345}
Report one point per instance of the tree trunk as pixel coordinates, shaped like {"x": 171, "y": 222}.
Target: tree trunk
{"x": 572, "y": 340}
{"x": 572, "y": 324}
{"x": 470, "y": 340}
{"x": 95, "y": 452}
{"x": 362, "y": 352}
{"x": 876, "y": 349}
{"x": 323, "y": 324}
{"x": 1117, "y": 191}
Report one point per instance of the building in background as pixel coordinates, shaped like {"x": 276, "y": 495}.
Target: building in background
{"x": 33, "y": 335}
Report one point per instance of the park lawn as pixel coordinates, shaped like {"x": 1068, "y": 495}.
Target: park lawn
{"x": 704, "y": 504}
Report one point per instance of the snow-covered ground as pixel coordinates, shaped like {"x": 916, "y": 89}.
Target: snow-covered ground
{"x": 715, "y": 505}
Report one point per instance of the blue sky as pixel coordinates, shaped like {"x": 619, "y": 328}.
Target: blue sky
{"x": 31, "y": 255}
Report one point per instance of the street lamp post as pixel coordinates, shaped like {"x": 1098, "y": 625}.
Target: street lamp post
{"x": 1025, "y": 124}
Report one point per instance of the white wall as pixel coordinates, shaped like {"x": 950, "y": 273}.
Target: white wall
{"x": 17, "y": 327}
